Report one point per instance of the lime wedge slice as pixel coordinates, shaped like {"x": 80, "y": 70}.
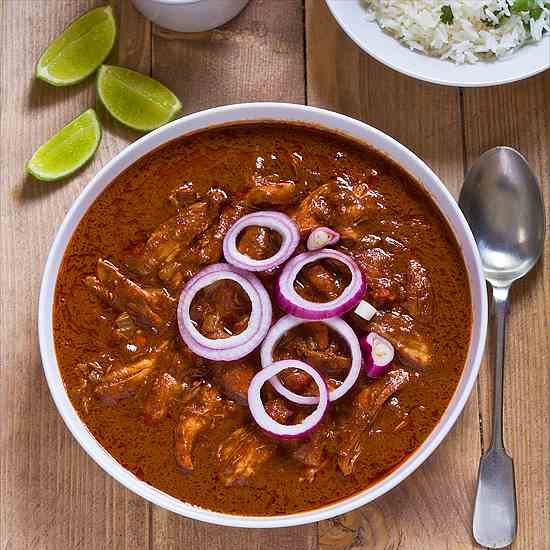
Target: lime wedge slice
{"x": 136, "y": 100}
{"x": 79, "y": 50}
{"x": 67, "y": 151}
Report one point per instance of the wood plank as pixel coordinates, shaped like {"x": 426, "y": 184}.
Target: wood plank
{"x": 258, "y": 56}
{"x": 518, "y": 115}
{"x": 432, "y": 509}
{"x": 53, "y": 495}
{"x": 172, "y": 532}
{"x": 134, "y": 37}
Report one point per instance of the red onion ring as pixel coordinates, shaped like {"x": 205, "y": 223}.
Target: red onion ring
{"x": 288, "y": 322}
{"x": 257, "y": 408}
{"x": 277, "y": 221}
{"x": 239, "y": 345}
{"x": 289, "y": 300}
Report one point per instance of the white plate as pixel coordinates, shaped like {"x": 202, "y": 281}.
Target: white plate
{"x": 352, "y": 17}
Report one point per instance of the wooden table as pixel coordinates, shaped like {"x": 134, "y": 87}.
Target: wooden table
{"x": 51, "y": 494}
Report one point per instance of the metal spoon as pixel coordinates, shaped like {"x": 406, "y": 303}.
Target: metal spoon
{"x": 502, "y": 202}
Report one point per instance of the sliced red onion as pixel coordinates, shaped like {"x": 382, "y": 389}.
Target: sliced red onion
{"x": 288, "y": 322}
{"x": 293, "y": 303}
{"x": 233, "y": 347}
{"x": 378, "y": 354}
{"x": 365, "y": 310}
{"x": 277, "y": 221}
{"x": 268, "y": 424}
{"x": 321, "y": 237}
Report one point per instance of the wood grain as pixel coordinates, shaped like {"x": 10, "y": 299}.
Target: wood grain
{"x": 432, "y": 509}
{"x": 52, "y": 494}
{"x": 518, "y": 115}
{"x": 257, "y": 56}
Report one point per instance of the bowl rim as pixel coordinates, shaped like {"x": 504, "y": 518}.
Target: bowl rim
{"x": 236, "y": 113}
{"x": 411, "y": 70}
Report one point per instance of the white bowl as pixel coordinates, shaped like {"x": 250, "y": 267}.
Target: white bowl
{"x": 190, "y": 15}
{"x": 246, "y": 112}
{"x": 528, "y": 61}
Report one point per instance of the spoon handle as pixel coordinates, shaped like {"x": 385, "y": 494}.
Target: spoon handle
{"x": 495, "y": 514}
{"x": 500, "y": 308}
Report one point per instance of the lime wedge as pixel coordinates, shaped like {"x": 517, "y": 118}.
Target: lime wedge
{"x": 67, "y": 151}
{"x": 80, "y": 49}
{"x": 136, "y": 100}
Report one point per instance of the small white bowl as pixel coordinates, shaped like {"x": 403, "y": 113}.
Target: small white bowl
{"x": 190, "y": 15}
{"x": 260, "y": 112}
{"x": 528, "y": 61}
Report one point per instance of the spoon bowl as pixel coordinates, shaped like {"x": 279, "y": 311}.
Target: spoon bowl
{"x": 503, "y": 204}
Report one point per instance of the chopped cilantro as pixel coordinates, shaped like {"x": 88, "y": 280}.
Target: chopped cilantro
{"x": 447, "y": 15}
{"x": 518, "y": 7}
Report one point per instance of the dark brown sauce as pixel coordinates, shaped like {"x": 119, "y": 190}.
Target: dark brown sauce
{"x": 408, "y": 226}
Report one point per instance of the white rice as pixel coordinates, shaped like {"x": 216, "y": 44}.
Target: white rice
{"x": 469, "y": 38}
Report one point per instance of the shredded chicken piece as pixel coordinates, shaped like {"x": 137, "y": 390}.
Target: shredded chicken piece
{"x": 189, "y": 427}
{"x": 267, "y": 193}
{"x": 419, "y": 301}
{"x": 206, "y": 250}
{"x": 164, "y": 389}
{"x": 319, "y": 335}
{"x": 313, "y": 452}
{"x": 84, "y": 394}
{"x": 412, "y": 347}
{"x": 385, "y": 283}
{"x": 323, "y": 281}
{"x": 243, "y": 453}
{"x": 257, "y": 243}
{"x": 298, "y": 381}
{"x": 150, "y": 307}
{"x": 177, "y": 233}
{"x": 361, "y": 414}
{"x": 210, "y": 246}
{"x": 186, "y": 194}
{"x": 221, "y": 310}
{"x": 352, "y": 204}
{"x": 312, "y": 344}
{"x": 314, "y": 210}
{"x": 94, "y": 371}
{"x": 279, "y": 409}
{"x": 234, "y": 379}
{"x": 112, "y": 380}
{"x": 126, "y": 380}
{"x": 133, "y": 339}
{"x": 276, "y": 180}
{"x": 125, "y": 327}
{"x": 328, "y": 361}
{"x": 338, "y": 204}
{"x": 204, "y": 405}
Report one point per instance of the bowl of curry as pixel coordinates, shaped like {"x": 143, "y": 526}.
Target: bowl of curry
{"x": 284, "y": 371}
